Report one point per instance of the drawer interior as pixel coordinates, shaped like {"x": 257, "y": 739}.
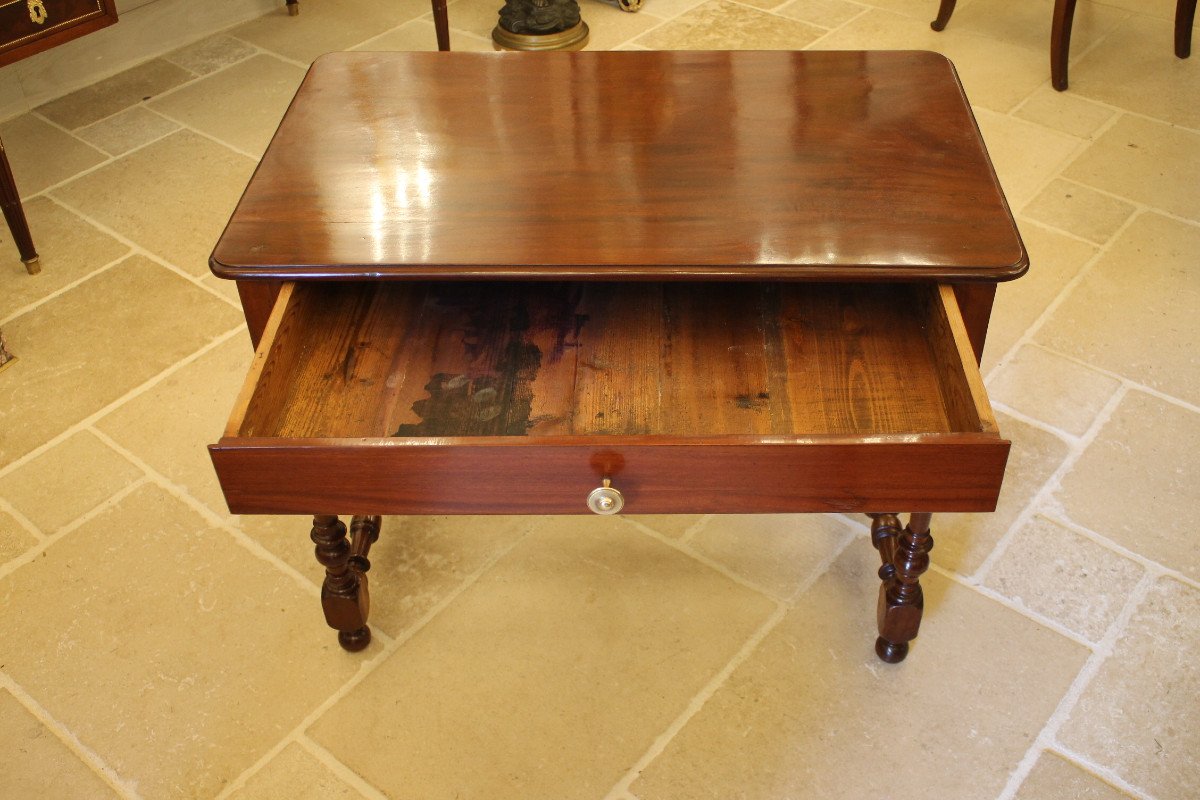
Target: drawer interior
{"x": 455, "y": 359}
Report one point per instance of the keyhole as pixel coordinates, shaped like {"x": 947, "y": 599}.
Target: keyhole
{"x": 37, "y": 11}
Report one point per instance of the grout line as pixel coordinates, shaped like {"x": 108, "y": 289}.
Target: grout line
{"x": 213, "y": 518}
{"x": 1033, "y": 422}
{"x": 369, "y": 665}
{"x": 659, "y": 745}
{"x": 694, "y": 529}
{"x": 136, "y": 391}
{"x": 1014, "y": 605}
{"x": 1149, "y": 565}
{"x": 34, "y": 552}
{"x": 1049, "y": 733}
{"x": 664, "y": 739}
{"x": 1106, "y": 774}
{"x": 23, "y": 310}
{"x": 25, "y": 522}
{"x": 339, "y": 769}
{"x": 1044, "y": 498}
{"x": 126, "y": 789}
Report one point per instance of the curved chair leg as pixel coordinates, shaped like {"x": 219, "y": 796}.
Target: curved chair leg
{"x": 441, "y": 25}
{"x": 1060, "y": 42}
{"x": 944, "y": 12}
{"x": 293, "y": 7}
{"x": 1185, "y": 15}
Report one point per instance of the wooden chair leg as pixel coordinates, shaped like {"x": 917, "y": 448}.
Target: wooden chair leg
{"x": 1185, "y": 15}
{"x": 344, "y": 596}
{"x": 1060, "y": 42}
{"x": 14, "y": 215}
{"x": 905, "y": 556}
{"x": 293, "y": 7}
{"x": 943, "y": 16}
{"x": 441, "y": 24}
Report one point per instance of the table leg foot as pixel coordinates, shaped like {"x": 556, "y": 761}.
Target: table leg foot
{"x": 344, "y": 596}
{"x": 905, "y": 557}
{"x": 943, "y": 17}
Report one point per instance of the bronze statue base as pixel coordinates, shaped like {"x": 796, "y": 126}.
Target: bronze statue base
{"x": 573, "y": 38}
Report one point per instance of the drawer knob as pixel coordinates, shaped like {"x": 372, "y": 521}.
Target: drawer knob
{"x": 605, "y": 499}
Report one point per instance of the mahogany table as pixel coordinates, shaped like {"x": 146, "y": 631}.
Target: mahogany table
{"x": 683, "y": 282}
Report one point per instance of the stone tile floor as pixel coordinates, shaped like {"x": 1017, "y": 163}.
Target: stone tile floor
{"x": 152, "y": 645}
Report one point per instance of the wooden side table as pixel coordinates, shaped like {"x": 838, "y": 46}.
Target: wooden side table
{"x": 704, "y": 283}
{"x": 27, "y": 28}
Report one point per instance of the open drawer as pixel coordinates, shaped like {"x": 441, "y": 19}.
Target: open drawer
{"x": 512, "y": 398}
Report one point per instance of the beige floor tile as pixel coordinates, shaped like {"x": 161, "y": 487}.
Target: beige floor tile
{"x": 94, "y": 336}
{"x": 14, "y": 540}
{"x": 918, "y": 11}
{"x": 777, "y": 552}
{"x": 37, "y": 763}
{"x": 1138, "y": 715}
{"x": 722, "y": 25}
{"x": 190, "y": 408}
{"x": 41, "y": 155}
{"x": 1075, "y": 208}
{"x": 823, "y": 13}
{"x": 1025, "y": 155}
{"x": 1135, "y": 480}
{"x": 125, "y": 89}
{"x": 1161, "y": 9}
{"x": 667, "y": 9}
{"x": 765, "y": 5}
{"x": 296, "y": 775}
{"x": 172, "y": 197}
{"x": 963, "y": 541}
{"x": 260, "y": 88}
{"x": 1053, "y": 389}
{"x": 416, "y": 564}
{"x": 1146, "y": 161}
{"x": 419, "y": 35}
{"x": 1066, "y": 577}
{"x": 996, "y": 75}
{"x": 478, "y": 17}
{"x": 211, "y": 54}
{"x": 67, "y": 481}
{"x": 1064, "y": 111}
{"x": 812, "y": 713}
{"x": 1055, "y": 778}
{"x": 548, "y": 677}
{"x": 225, "y": 288}
{"x": 1134, "y": 312}
{"x": 1136, "y": 68}
{"x": 327, "y": 25}
{"x": 70, "y": 248}
{"x": 1028, "y": 23}
{"x": 149, "y": 635}
{"x": 122, "y": 132}
{"x": 610, "y": 26}
{"x": 1054, "y": 260}
{"x": 673, "y": 526}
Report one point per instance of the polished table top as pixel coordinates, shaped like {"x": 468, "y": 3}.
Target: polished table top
{"x": 593, "y": 165}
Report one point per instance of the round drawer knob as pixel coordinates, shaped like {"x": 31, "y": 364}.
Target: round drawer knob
{"x": 605, "y": 499}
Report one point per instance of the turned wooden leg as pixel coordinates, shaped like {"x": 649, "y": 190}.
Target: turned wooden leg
{"x": 1185, "y": 15}
{"x": 344, "y": 596}
{"x": 14, "y": 215}
{"x": 905, "y": 557}
{"x": 1060, "y": 42}
{"x": 293, "y": 7}
{"x": 944, "y": 12}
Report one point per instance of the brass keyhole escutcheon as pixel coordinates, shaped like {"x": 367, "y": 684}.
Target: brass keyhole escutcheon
{"x": 605, "y": 499}
{"x": 37, "y": 11}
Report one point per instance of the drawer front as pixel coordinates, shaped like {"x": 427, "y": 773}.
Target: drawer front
{"x": 24, "y": 24}
{"x": 953, "y": 472}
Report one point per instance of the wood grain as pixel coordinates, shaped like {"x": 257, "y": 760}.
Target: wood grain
{"x": 673, "y": 359}
{"x": 668, "y": 165}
